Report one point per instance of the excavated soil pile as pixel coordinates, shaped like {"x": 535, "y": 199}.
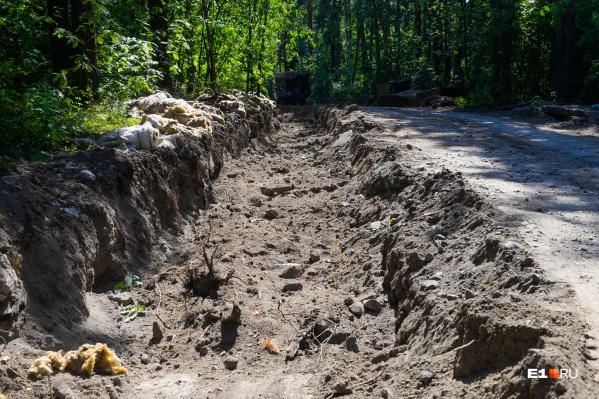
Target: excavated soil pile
{"x": 88, "y": 218}
{"x": 322, "y": 261}
{"x": 462, "y": 284}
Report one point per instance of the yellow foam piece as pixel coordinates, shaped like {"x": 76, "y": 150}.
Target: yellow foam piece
{"x": 41, "y": 367}
{"x": 87, "y": 359}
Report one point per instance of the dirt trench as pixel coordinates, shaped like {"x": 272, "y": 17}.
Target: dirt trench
{"x": 366, "y": 274}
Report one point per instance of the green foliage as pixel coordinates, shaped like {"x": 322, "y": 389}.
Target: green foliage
{"x": 39, "y": 118}
{"x": 130, "y": 312}
{"x": 138, "y": 307}
{"x": 535, "y": 105}
{"x": 122, "y": 287}
{"x": 6, "y": 164}
{"x": 126, "y": 66}
{"x": 131, "y": 281}
{"x": 43, "y": 119}
{"x": 225, "y": 45}
{"x": 98, "y": 119}
{"x": 461, "y": 102}
{"x": 500, "y": 50}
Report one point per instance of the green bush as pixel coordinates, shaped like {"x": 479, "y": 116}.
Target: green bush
{"x": 42, "y": 119}
{"x": 38, "y": 119}
{"x": 461, "y": 102}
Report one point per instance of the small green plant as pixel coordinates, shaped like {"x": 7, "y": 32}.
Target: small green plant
{"x": 122, "y": 287}
{"x": 132, "y": 311}
{"x": 131, "y": 281}
{"x": 461, "y": 102}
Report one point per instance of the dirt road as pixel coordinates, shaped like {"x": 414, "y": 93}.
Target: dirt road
{"x": 545, "y": 178}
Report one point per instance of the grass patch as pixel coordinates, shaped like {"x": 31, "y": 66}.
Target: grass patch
{"x": 99, "y": 119}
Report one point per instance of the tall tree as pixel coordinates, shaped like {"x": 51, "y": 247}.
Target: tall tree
{"x": 159, "y": 24}
{"x": 566, "y": 41}
{"x": 84, "y": 17}
{"x": 60, "y": 49}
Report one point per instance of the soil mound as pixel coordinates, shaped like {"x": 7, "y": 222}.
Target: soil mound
{"x": 90, "y": 217}
{"x": 460, "y": 281}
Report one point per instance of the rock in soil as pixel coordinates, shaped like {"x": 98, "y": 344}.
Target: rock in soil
{"x": 86, "y": 176}
{"x": 560, "y": 387}
{"x": 315, "y": 255}
{"x": 203, "y": 351}
{"x": 338, "y": 337}
{"x": 295, "y": 286}
{"x": 64, "y": 392}
{"x": 426, "y": 377}
{"x": 145, "y": 359}
{"x": 271, "y": 213}
{"x": 122, "y": 298}
{"x": 380, "y": 357}
{"x": 231, "y": 313}
{"x": 372, "y": 304}
{"x": 427, "y": 285}
{"x": 386, "y": 393}
{"x": 357, "y": 309}
{"x": 351, "y": 343}
{"x": 231, "y": 362}
{"x": 157, "y": 331}
{"x": 273, "y": 191}
{"x": 291, "y": 270}
{"x": 343, "y": 388}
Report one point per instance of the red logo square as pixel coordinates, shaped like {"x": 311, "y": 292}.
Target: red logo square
{"x": 553, "y": 373}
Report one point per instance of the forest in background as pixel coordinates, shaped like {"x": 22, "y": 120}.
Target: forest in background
{"x": 68, "y": 66}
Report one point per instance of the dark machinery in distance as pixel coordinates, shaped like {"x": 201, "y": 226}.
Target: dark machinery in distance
{"x": 293, "y": 87}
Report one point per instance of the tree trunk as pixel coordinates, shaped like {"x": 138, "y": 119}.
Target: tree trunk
{"x": 446, "y": 50}
{"x": 436, "y": 34}
{"x": 60, "y": 51}
{"x": 418, "y": 26}
{"x": 91, "y": 77}
{"x": 84, "y": 26}
{"x": 159, "y": 28}
{"x": 310, "y": 21}
{"x": 566, "y": 42}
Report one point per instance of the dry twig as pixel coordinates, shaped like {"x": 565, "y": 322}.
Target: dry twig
{"x": 284, "y": 318}
{"x": 463, "y": 346}
{"x": 159, "y": 292}
{"x": 455, "y": 349}
{"x": 219, "y": 380}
